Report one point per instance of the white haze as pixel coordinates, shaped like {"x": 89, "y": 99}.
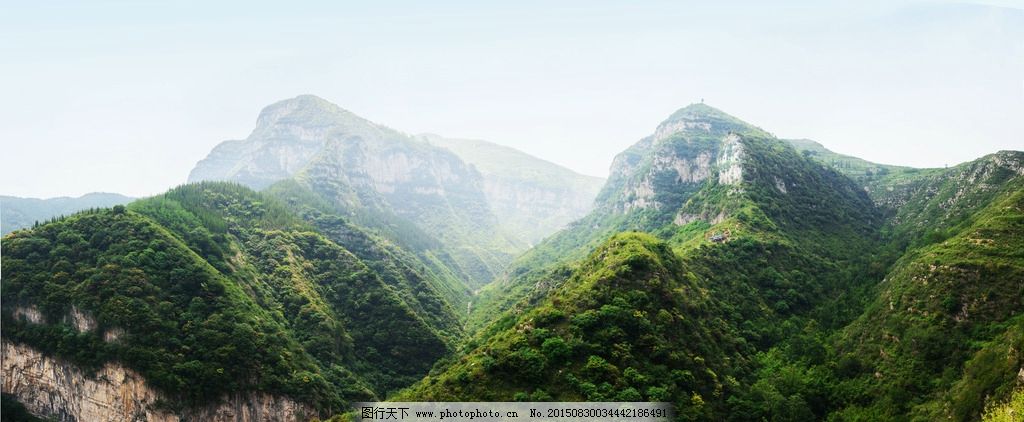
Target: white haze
{"x": 127, "y": 96}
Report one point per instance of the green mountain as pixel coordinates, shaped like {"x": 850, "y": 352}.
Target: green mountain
{"x": 19, "y": 213}
{"x": 860, "y": 170}
{"x": 531, "y": 198}
{"x": 212, "y": 289}
{"x": 630, "y": 324}
{"x": 753, "y": 241}
{"x": 421, "y": 271}
{"x": 693, "y": 173}
{"x": 736, "y": 275}
{"x": 833, "y": 288}
{"x": 945, "y": 326}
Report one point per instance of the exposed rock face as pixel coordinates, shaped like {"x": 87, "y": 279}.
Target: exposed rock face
{"x": 82, "y": 321}
{"x": 780, "y": 184}
{"x": 379, "y": 167}
{"x": 685, "y": 123}
{"x": 730, "y": 170}
{"x": 532, "y": 212}
{"x": 696, "y": 145}
{"x": 288, "y": 135}
{"x": 48, "y": 387}
{"x": 294, "y": 134}
{"x": 56, "y": 389}
{"x": 640, "y": 196}
{"x": 373, "y": 174}
{"x": 28, "y": 313}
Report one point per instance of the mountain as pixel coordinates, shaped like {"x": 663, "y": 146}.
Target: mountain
{"x": 632, "y": 323}
{"x": 860, "y": 170}
{"x": 208, "y": 297}
{"x": 945, "y": 328}
{"x": 689, "y": 175}
{"x": 418, "y": 195}
{"x": 532, "y": 198}
{"x": 736, "y": 275}
{"x": 19, "y": 213}
{"x": 421, "y": 196}
{"x": 834, "y": 288}
{"x": 751, "y": 242}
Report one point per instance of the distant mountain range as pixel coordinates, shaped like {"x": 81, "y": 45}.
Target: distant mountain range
{"x": 19, "y": 213}
{"x": 326, "y": 259}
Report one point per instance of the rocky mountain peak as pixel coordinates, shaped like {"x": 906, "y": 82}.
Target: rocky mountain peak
{"x": 299, "y": 108}
{"x": 701, "y": 119}
{"x": 696, "y": 143}
{"x": 311, "y": 118}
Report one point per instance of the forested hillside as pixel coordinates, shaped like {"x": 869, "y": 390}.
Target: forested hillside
{"x": 733, "y": 274}
{"x": 835, "y": 288}
{"x": 211, "y": 289}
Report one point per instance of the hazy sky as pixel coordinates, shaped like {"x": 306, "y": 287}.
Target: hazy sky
{"x": 126, "y": 96}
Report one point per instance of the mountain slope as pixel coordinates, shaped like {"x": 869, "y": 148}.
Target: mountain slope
{"x": 18, "y": 213}
{"x": 701, "y": 168}
{"x": 894, "y": 295}
{"x": 860, "y": 170}
{"x": 408, "y": 190}
{"x": 211, "y": 290}
{"x": 629, "y": 325}
{"x": 950, "y": 301}
{"x": 764, "y": 245}
{"x": 427, "y": 285}
{"x": 532, "y": 198}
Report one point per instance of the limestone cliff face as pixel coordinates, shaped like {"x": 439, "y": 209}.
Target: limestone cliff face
{"x": 50, "y": 387}
{"x": 288, "y": 136}
{"x": 380, "y": 177}
{"x": 689, "y": 150}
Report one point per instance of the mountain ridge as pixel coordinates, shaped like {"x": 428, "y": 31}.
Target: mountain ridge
{"x": 793, "y": 248}
{"x": 734, "y": 274}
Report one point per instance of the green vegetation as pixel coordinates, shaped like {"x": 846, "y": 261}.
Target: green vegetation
{"x": 429, "y": 288}
{"x": 630, "y": 324}
{"x": 861, "y": 171}
{"x": 20, "y": 213}
{"x": 824, "y": 301}
{"x": 216, "y": 289}
{"x": 938, "y": 306}
{"x": 1012, "y": 411}
{"x": 803, "y": 285}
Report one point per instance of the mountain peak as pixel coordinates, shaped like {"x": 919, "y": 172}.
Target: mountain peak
{"x": 307, "y": 109}
{"x": 697, "y": 109}
{"x": 700, "y": 118}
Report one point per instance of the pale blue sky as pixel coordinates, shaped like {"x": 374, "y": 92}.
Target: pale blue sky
{"x": 125, "y": 96}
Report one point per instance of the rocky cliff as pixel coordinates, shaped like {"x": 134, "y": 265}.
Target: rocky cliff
{"x": 53, "y": 388}
{"x": 379, "y": 177}
{"x": 695, "y": 145}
